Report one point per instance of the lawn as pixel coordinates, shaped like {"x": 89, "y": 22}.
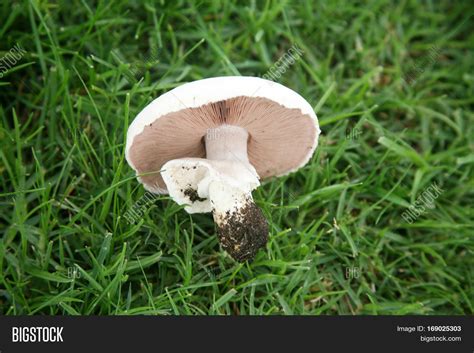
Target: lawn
{"x": 392, "y": 84}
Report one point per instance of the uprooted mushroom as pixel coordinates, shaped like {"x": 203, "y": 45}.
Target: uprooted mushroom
{"x": 209, "y": 142}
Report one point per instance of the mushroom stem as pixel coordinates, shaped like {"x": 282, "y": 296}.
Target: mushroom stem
{"x": 241, "y": 226}
{"x": 227, "y": 142}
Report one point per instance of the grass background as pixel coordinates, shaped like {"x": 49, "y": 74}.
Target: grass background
{"x": 338, "y": 243}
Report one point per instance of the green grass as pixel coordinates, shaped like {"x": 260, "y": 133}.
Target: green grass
{"x": 65, "y": 186}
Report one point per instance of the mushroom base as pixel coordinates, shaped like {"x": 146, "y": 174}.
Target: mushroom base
{"x": 242, "y": 232}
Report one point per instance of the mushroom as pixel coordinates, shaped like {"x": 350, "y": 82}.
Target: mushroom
{"x": 209, "y": 142}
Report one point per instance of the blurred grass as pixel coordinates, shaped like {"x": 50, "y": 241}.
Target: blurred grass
{"x": 91, "y": 67}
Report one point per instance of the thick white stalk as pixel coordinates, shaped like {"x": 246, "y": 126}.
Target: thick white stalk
{"x": 222, "y": 184}
{"x": 227, "y": 142}
{"x": 242, "y": 229}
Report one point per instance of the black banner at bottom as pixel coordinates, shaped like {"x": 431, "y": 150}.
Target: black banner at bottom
{"x": 207, "y": 334}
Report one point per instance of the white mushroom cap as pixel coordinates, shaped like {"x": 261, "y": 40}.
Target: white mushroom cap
{"x": 282, "y": 125}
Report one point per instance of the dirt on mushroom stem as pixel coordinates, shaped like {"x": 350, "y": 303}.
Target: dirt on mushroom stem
{"x": 243, "y": 232}
{"x": 193, "y": 195}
